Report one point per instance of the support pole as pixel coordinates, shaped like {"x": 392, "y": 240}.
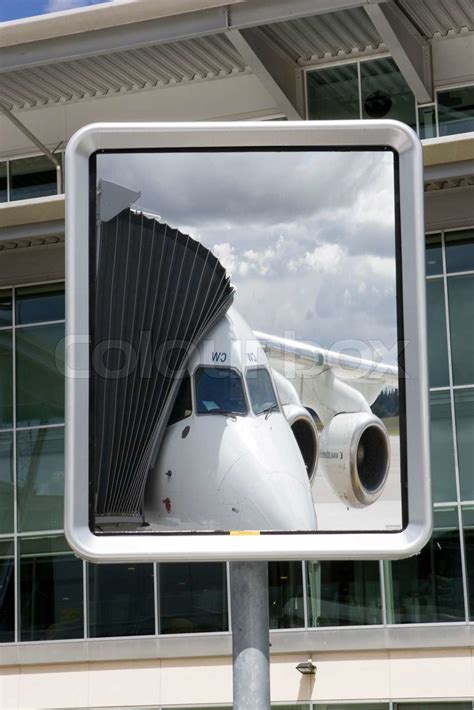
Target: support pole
{"x": 250, "y": 635}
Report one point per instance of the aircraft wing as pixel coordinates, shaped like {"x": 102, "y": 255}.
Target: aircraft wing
{"x": 302, "y": 364}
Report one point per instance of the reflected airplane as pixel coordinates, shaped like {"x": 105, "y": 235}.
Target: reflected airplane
{"x": 242, "y": 449}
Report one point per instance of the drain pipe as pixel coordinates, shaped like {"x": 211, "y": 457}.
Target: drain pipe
{"x": 31, "y": 136}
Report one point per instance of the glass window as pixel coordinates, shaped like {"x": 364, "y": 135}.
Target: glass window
{"x": 193, "y": 598}
{"x": 6, "y": 482}
{"x": 6, "y": 380}
{"x": 285, "y": 581}
{"x": 468, "y": 526}
{"x": 456, "y": 111}
{"x": 333, "y": 93}
{"x": 260, "y": 386}
{"x": 51, "y": 600}
{"x": 434, "y": 256}
{"x": 121, "y": 600}
{"x": 459, "y": 251}
{"x": 5, "y": 307}
{"x": 352, "y": 706}
{"x": 427, "y": 121}
{"x": 3, "y": 182}
{"x": 428, "y": 588}
{"x": 461, "y": 320}
{"x": 219, "y": 391}
{"x": 437, "y": 340}
{"x": 385, "y": 93}
{"x": 7, "y": 592}
{"x": 40, "y": 304}
{"x": 182, "y": 407}
{"x": 464, "y": 412}
{"x": 455, "y": 705}
{"x": 443, "y": 479}
{"x": 39, "y": 375}
{"x": 344, "y": 593}
{"x": 32, "y": 177}
{"x": 40, "y": 479}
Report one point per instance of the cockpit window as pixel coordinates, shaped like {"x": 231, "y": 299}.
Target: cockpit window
{"x": 182, "y": 407}
{"x": 261, "y": 391}
{"x": 219, "y": 391}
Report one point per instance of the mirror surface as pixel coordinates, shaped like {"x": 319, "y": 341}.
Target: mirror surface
{"x": 245, "y": 342}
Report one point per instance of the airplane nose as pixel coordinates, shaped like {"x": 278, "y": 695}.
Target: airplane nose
{"x": 275, "y": 499}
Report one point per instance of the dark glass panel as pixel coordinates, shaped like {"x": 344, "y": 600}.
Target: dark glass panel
{"x": 121, "y": 600}
{"x": 39, "y": 374}
{"x": 3, "y": 182}
{"x": 443, "y": 479}
{"x": 219, "y": 390}
{"x": 464, "y": 412}
{"x": 6, "y": 380}
{"x": 461, "y": 320}
{"x": 427, "y": 122}
{"x": 32, "y": 177}
{"x": 468, "y": 527}
{"x": 454, "y": 705}
{"x": 40, "y": 304}
{"x": 456, "y": 111}
{"x": 5, "y": 307}
{"x": 7, "y": 592}
{"x": 459, "y": 251}
{"x": 40, "y": 479}
{"x": 6, "y": 483}
{"x": 333, "y": 93}
{"x": 51, "y": 601}
{"x": 344, "y": 593}
{"x": 193, "y": 598}
{"x": 285, "y": 580}
{"x": 434, "y": 255}
{"x": 183, "y": 406}
{"x": 385, "y": 93}
{"x": 437, "y": 339}
{"x": 351, "y": 706}
{"x": 428, "y": 588}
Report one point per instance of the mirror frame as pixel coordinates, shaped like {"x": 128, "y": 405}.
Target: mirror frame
{"x": 128, "y": 547}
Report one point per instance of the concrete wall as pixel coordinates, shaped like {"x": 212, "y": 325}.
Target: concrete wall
{"x": 397, "y": 675}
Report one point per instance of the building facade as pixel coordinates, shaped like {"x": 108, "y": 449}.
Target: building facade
{"x": 384, "y": 636}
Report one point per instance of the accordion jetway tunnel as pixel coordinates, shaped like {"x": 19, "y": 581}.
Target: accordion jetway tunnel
{"x": 158, "y": 292}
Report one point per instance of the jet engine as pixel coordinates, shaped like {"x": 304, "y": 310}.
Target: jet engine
{"x": 355, "y": 456}
{"x": 306, "y": 434}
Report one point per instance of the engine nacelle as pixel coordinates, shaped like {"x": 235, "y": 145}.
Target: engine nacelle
{"x": 355, "y": 456}
{"x": 306, "y": 434}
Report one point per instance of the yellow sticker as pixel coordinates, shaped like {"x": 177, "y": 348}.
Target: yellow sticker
{"x": 244, "y": 532}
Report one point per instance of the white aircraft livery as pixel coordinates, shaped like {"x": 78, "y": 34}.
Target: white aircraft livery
{"x": 242, "y": 449}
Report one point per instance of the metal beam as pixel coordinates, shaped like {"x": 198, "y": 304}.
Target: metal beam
{"x": 409, "y": 49}
{"x": 166, "y": 29}
{"x": 36, "y": 141}
{"x": 281, "y": 77}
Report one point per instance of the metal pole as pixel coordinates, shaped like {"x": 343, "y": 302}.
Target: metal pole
{"x": 250, "y": 635}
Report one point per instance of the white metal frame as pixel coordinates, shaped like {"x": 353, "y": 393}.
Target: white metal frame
{"x": 320, "y": 546}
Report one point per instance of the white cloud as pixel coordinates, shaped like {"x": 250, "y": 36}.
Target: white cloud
{"x": 307, "y": 238}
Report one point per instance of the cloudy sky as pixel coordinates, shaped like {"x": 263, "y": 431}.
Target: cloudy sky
{"x": 308, "y": 237}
